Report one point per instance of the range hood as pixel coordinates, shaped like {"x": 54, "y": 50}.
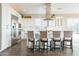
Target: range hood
{"x": 48, "y": 15}
{"x": 48, "y": 11}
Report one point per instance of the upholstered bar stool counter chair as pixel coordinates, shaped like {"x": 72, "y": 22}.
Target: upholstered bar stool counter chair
{"x": 57, "y": 39}
{"x": 31, "y": 39}
{"x": 68, "y": 38}
{"x": 43, "y": 39}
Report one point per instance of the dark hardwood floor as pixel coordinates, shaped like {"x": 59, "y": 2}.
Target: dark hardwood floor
{"x": 21, "y": 49}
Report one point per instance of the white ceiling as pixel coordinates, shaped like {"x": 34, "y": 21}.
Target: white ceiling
{"x": 39, "y": 8}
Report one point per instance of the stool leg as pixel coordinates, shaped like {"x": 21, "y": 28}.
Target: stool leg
{"x": 33, "y": 45}
{"x": 54, "y": 44}
{"x": 44, "y": 45}
{"x": 47, "y": 45}
{"x": 50, "y": 45}
{"x": 71, "y": 44}
{"x": 36, "y": 45}
{"x": 39, "y": 45}
{"x": 60, "y": 45}
{"x": 63, "y": 44}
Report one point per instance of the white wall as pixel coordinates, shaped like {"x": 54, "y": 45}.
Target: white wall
{"x": 6, "y": 25}
{"x": 0, "y": 25}
{"x": 27, "y": 24}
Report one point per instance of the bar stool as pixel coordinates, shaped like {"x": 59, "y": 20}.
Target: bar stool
{"x": 57, "y": 39}
{"x": 31, "y": 38}
{"x": 68, "y": 38}
{"x": 43, "y": 39}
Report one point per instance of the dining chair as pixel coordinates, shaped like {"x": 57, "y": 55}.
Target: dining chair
{"x": 43, "y": 39}
{"x": 31, "y": 39}
{"x": 67, "y": 38}
{"x": 57, "y": 39}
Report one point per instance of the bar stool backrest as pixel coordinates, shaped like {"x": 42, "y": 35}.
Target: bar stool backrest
{"x": 57, "y": 35}
{"x": 67, "y": 33}
{"x": 43, "y": 35}
{"x": 30, "y": 35}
